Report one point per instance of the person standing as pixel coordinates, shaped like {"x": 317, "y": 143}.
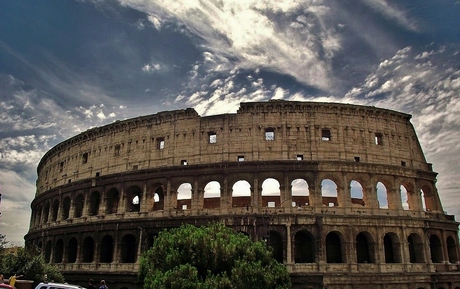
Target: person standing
{"x": 91, "y": 284}
{"x": 103, "y": 286}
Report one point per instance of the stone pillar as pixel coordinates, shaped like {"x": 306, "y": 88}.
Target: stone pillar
{"x": 288, "y": 244}
{"x": 256, "y": 194}
{"x": 144, "y": 202}
{"x": 72, "y": 208}
{"x": 225, "y": 195}
{"x": 86, "y": 205}
{"x": 344, "y": 192}
{"x": 286, "y": 193}
{"x": 103, "y": 203}
{"x": 122, "y": 204}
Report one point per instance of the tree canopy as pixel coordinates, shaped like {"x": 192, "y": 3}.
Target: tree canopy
{"x": 212, "y": 256}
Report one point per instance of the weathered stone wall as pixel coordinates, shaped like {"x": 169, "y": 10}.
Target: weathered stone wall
{"x": 103, "y": 195}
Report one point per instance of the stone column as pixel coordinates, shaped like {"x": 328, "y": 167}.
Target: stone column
{"x": 144, "y": 202}
{"x": 103, "y": 203}
{"x": 288, "y": 244}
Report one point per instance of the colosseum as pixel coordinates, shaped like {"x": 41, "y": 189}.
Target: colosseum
{"x": 342, "y": 193}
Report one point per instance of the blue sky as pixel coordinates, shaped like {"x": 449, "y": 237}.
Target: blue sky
{"x": 66, "y": 66}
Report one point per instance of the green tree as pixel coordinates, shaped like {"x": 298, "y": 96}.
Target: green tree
{"x": 29, "y": 263}
{"x": 214, "y": 257}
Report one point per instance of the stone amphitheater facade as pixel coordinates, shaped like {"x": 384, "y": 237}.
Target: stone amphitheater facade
{"x": 342, "y": 193}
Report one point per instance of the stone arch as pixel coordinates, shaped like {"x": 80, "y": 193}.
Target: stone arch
{"x": 48, "y": 247}
{"x": 113, "y": 199}
{"x": 38, "y": 215}
{"x": 271, "y": 193}
{"x": 276, "y": 242}
{"x": 128, "y": 249}
{"x": 335, "y": 252}
{"x": 79, "y": 205}
{"x": 133, "y": 198}
{"x": 428, "y": 198}
{"x": 435, "y": 249}
{"x": 329, "y": 193}
{"x": 304, "y": 247}
{"x": 212, "y": 195}
{"x": 87, "y": 250}
{"x": 404, "y": 197}
{"x": 365, "y": 248}
{"x": 382, "y": 195}
{"x": 66, "y": 208}
{"x": 46, "y": 212}
{"x": 184, "y": 196}
{"x": 452, "y": 250}
{"x": 159, "y": 198}
{"x": 391, "y": 247}
{"x": 106, "y": 249}
{"x": 300, "y": 193}
{"x": 58, "y": 251}
{"x": 72, "y": 247}
{"x": 416, "y": 252}
{"x": 95, "y": 201}
{"x": 54, "y": 217}
{"x": 241, "y": 194}
{"x": 357, "y": 193}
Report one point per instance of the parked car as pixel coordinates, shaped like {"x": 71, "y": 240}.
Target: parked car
{"x": 6, "y": 286}
{"x": 51, "y": 285}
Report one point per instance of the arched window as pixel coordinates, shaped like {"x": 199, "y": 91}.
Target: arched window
{"x": 79, "y": 203}
{"x": 211, "y": 195}
{"x": 106, "y": 249}
{"x": 364, "y": 248}
{"x": 452, "y": 250}
{"x": 427, "y": 198}
{"x": 184, "y": 196}
{"x": 128, "y": 249}
{"x": 391, "y": 248}
{"x": 271, "y": 193}
{"x": 58, "y": 251}
{"x": 333, "y": 248}
{"x": 46, "y": 213}
{"x": 88, "y": 250}
{"x": 382, "y": 196}
{"x": 66, "y": 207}
{"x": 55, "y": 210}
{"x": 357, "y": 193}
{"x": 329, "y": 193}
{"x": 304, "y": 247}
{"x": 300, "y": 193}
{"x": 435, "y": 249}
{"x": 48, "y": 252}
{"x": 133, "y": 199}
{"x": 95, "y": 201}
{"x": 241, "y": 194}
{"x": 415, "y": 244}
{"x": 159, "y": 199}
{"x": 112, "y": 201}
{"x": 404, "y": 197}
{"x": 72, "y": 250}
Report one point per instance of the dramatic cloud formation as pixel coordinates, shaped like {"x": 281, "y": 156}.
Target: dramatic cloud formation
{"x": 73, "y": 65}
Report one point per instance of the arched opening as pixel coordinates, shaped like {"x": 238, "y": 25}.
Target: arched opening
{"x": 241, "y": 194}
{"x": 184, "y": 196}
{"x": 46, "y": 213}
{"x": 435, "y": 249}
{"x": 133, "y": 199}
{"x": 382, "y": 196}
{"x": 58, "y": 251}
{"x": 55, "y": 210}
{"x": 79, "y": 203}
{"x": 38, "y": 216}
{"x": 276, "y": 242}
{"x": 452, "y": 250}
{"x": 357, "y": 193}
{"x": 415, "y": 244}
{"x": 271, "y": 193}
{"x": 334, "y": 248}
{"x": 48, "y": 252}
{"x": 106, "y": 250}
{"x": 427, "y": 199}
{"x": 364, "y": 248}
{"x": 211, "y": 195}
{"x": 158, "y": 199}
{"x": 151, "y": 240}
{"x": 300, "y": 193}
{"x": 391, "y": 248}
{"x": 95, "y": 201}
{"x": 66, "y": 207}
{"x": 329, "y": 193}
{"x": 128, "y": 249}
{"x": 72, "y": 250}
{"x": 404, "y": 197}
{"x": 304, "y": 247}
{"x": 113, "y": 197}
{"x": 88, "y": 250}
